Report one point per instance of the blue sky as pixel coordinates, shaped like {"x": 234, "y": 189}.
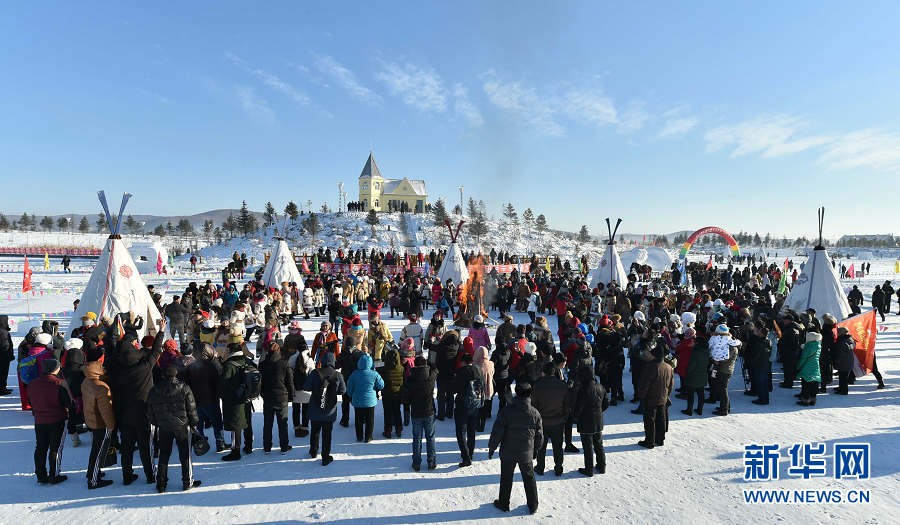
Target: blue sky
{"x": 742, "y": 115}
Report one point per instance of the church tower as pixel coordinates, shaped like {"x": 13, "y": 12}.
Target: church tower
{"x": 371, "y": 186}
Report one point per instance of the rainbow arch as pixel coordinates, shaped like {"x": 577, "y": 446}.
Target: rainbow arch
{"x": 732, "y": 244}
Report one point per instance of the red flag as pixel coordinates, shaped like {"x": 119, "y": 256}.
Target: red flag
{"x": 26, "y": 276}
{"x": 305, "y": 267}
{"x": 862, "y": 328}
{"x": 159, "y": 263}
{"x": 851, "y": 273}
{"x": 709, "y": 264}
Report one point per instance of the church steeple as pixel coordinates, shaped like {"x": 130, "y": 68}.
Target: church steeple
{"x": 370, "y": 169}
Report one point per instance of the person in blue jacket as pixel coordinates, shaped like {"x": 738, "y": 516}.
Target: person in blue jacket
{"x": 362, "y": 385}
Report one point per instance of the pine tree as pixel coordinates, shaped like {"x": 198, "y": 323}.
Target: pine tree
{"x": 4, "y": 222}
{"x": 84, "y": 226}
{"x": 471, "y": 209}
{"x": 291, "y": 211}
{"x": 47, "y": 223}
{"x": 100, "y": 223}
{"x": 372, "y": 218}
{"x": 33, "y": 222}
{"x": 131, "y": 224}
{"x": 62, "y": 223}
{"x": 23, "y": 221}
{"x": 440, "y": 213}
{"x": 541, "y": 223}
{"x": 229, "y": 225}
{"x": 208, "y": 230}
{"x": 185, "y": 227}
{"x": 510, "y": 213}
{"x": 170, "y": 229}
{"x": 269, "y": 216}
{"x": 246, "y": 222}
{"x": 583, "y": 235}
{"x": 478, "y": 226}
{"x": 312, "y": 226}
{"x": 528, "y": 218}
{"x": 160, "y": 231}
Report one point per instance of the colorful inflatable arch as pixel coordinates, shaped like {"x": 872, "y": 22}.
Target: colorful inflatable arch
{"x": 735, "y": 250}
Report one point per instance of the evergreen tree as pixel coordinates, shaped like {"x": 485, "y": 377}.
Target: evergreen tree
{"x": 372, "y": 218}
{"x": 528, "y": 218}
{"x": 208, "y": 230}
{"x": 101, "y": 223}
{"x": 47, "y": 223}
{"x": 84, "y": 226}
{"x": 478, "y": 226}
{"x": 269, "y": 216}
{"x": 312, "y": 226}
{"x": 160, "y": 231}
{"x": 583, "y": 235}
{"x": 185, "y": 227}
{"x": 246, "y": 222}
{"x": 4, "y": 222}
{"x": 440, "y": 213}
{"x": 229, "y": 225}
{"x": 24, "y": 221}
{"x": 510, "y": 213}
{"x": 471, "y": 209}
{"x": 170, "y": 229}
{"x": 541, "y": 223}
{"x": 131, "y": 224}
{"x": 291, "y": 211}
{"x": 33, "y": 222}
{"x": 62, "y": 223}
{"x": 756, "y": 240}
{"x": 325, "y": 207}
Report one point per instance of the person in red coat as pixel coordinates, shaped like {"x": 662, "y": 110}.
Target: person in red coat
{"x": 683, "y": 355}
{"x": 50, "y": 406}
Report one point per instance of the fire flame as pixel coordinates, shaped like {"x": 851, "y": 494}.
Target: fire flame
{"x": 475, "y": 267}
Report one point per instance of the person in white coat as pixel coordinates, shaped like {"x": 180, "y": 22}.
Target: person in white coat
{"x": 301, "y": 364}
{"x": 532, "y": 307}
{"x": 413, "y": 331}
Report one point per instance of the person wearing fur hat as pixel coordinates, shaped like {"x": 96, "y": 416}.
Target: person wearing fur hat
{"x": 378, "y": 337}
{"x": 414, "y": 331}
{"x": 51, "y": 404}
{"x": 435, "y": 330}
{"x": 808, "y": 369}
{"x": 131, "y": 385}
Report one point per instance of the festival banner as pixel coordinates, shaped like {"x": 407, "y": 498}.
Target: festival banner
{"x": 863, "y": 330}
{"x": 782, "y": 282}
{"x": 851, "y": 272}
{"x": 26, "y": 277}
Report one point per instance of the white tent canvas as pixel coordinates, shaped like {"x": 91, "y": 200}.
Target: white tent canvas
{"x": 281, "y": 268}
{"x": 818, "y": 287}
{"x": 453, "y": 267}
{"x": 610, "y": 269}
{"x": 116, "y": 287}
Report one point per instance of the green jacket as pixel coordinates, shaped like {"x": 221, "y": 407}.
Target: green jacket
{"x": 231, "y": 380}
{"x": 392, "y": 373}
{"x": 808, "y": 364}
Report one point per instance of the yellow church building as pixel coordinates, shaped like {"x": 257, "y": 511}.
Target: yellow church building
{"x": 380, "y": 194}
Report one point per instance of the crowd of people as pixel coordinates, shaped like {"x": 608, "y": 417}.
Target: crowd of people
{"x": 198, "y": 371}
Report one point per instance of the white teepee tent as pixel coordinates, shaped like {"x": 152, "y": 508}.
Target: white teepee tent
{"x": 453, "y": 267}
{"x": 610, "y": 268}
{"x": 818, "y": 285}
{"x": 281, "y": 267}
{"x": 116, "y": 286}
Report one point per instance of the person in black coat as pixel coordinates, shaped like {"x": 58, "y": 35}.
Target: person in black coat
{"x": 590, "y": 402}
{"x": 789, "y": 345}
{"x": 277, "y": 391}
{"x": 878, "y": 301}
{"x": 447, "y": 351}
{"x": 325, "y": 385}
{"x": 888, "y": 292}
{"x": 551, "y": 399}
{"x": 418, "y": 392}
{"x": 501, "y": 358}
{"x": 466, "y": 417}
{"x": 131, "y": 384}
{"x": 236, "y": 412}
{"x": 842, "y": 356}
{"x": 202, "y": 376}
{"x": 518, "y": 430}
{"x": 171, "y": 408}
{"x": 6, "y": 353}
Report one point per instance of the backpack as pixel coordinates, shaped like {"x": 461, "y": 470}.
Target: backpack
{"x": 29, "y": 369}
{"x": 474, "y": 396}
{"x": 299, "y": 373}
{"x": 251, "y": 384}
{"x": 324, "y": 395}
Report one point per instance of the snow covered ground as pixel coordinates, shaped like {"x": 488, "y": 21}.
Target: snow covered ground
{"x": 695, "y": 478}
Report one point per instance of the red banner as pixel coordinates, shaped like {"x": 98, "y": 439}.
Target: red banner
{"x": 862, "y": 328}
{"x": 26, "y": 277}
